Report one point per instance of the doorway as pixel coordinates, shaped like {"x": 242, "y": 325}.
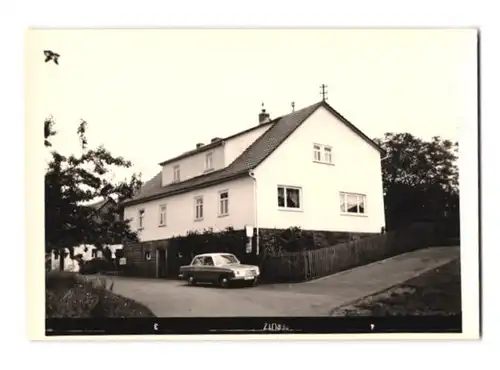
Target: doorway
{"x": 161, "y": 263}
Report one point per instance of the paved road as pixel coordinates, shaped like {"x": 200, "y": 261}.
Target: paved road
{"x": 170, "y": 298}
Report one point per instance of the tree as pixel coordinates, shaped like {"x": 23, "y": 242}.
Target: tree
{"x": 71, "y": 182}
{"x": 420, "y": 179}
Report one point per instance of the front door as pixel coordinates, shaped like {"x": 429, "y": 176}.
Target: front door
{"x": 161, "y": 258}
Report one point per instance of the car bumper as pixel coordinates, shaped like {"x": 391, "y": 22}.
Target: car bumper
{"x": 245, "y": 278}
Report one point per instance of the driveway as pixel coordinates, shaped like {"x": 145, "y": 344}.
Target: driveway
{"x": 174, "y": 298}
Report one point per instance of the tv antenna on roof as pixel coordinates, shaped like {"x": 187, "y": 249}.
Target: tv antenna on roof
{"x": 323, "y": 91}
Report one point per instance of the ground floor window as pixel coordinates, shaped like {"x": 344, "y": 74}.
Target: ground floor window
{"x": 289, "y": 197}
{"x": 352, "y": 203}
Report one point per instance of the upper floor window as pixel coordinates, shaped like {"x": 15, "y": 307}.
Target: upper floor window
{"x": 317, "y": 153}
{"x": 223, "y": 203}
{"x": 163, "y": 215}
{"x": 322, "y": 153}
{"x": 141, "y": 219}
{"x": 327, "y": 154}
{"x": 289, "y": 197}
{"x": 198, "y": 208}
{"x": 353, "y": 203}
{"x": 177, "y": 173}
{"x": 209, "y": 162}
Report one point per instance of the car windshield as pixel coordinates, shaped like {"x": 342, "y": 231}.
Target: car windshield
{"x": 225, "y": 259}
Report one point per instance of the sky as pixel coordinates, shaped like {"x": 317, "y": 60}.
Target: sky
{"x": 149, "y": 95}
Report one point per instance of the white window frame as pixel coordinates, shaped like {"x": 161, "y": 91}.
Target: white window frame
{"x": 322, "y": 153}
{"x": 162, "y": 216}
{"x": 176, "y": 173}
{"x": 317, "y": 152}
{"x": 285, "y": 188}
{"x": 198, "y": 215}
{"x": 223, "y": 204}
{"x": 209, "y": 161}
{"x": 327, "y": 154}
{"x": 140, "y": 219}
{"x": 343, "y": 208}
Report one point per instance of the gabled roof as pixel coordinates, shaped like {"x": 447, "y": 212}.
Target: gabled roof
{"x": 214, "y": 144}
{"x": 281, "y": 128}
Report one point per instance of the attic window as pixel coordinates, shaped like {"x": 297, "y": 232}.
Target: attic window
{"x": 328, "y": 154}
{"x": 317, "y": 153}
{"x": 209, "y": 161}
{"x": 322, "y": 153}
{"x": 177, "y": 173}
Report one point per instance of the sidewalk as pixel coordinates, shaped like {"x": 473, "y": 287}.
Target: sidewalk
{"x": 350, "y": 285}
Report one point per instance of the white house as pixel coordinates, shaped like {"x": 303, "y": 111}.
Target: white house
{"x": 311, "y": 168}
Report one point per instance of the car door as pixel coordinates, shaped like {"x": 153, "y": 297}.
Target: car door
{"x": 209, "y": 269}
{"x": 197, "y": 267}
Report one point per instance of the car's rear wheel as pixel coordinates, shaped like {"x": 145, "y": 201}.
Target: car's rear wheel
{"x": 191, "y": 280}
{"x": 224, "y": 282}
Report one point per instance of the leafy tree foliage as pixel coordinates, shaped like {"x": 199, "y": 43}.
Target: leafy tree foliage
{"x": 420, "y": 179}
{"x": 71, "y": 182}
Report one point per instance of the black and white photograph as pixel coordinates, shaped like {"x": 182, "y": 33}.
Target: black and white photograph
{"x": 255, "y": 181}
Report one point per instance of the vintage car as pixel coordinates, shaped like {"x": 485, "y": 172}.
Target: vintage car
{"x": 218, "y": 268}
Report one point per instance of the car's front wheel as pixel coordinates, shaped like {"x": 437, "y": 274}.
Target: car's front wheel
{"x": 191, "y": 280}
{"x": 224, "y": 282}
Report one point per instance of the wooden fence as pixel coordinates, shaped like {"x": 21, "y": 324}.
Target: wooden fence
{"x": 313, "y": 264}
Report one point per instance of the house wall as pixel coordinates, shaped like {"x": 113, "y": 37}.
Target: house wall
{"x": 356, "y": 168}
{"x": 235, "y": 146}
{"x": 193, "y": 166}
{"x": 181, "y": 211}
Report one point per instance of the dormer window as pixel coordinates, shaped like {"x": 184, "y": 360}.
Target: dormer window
{"x": 209, "y": 161}
{"x": 177, "y": 173}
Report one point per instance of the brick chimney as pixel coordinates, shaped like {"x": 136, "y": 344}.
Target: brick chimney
{"x": 264, "y": 117}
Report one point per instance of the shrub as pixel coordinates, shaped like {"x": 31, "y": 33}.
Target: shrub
{"x": 72, "y": 295}
{"x": 62, "y": 279}
{"x": 294, "y": 239}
